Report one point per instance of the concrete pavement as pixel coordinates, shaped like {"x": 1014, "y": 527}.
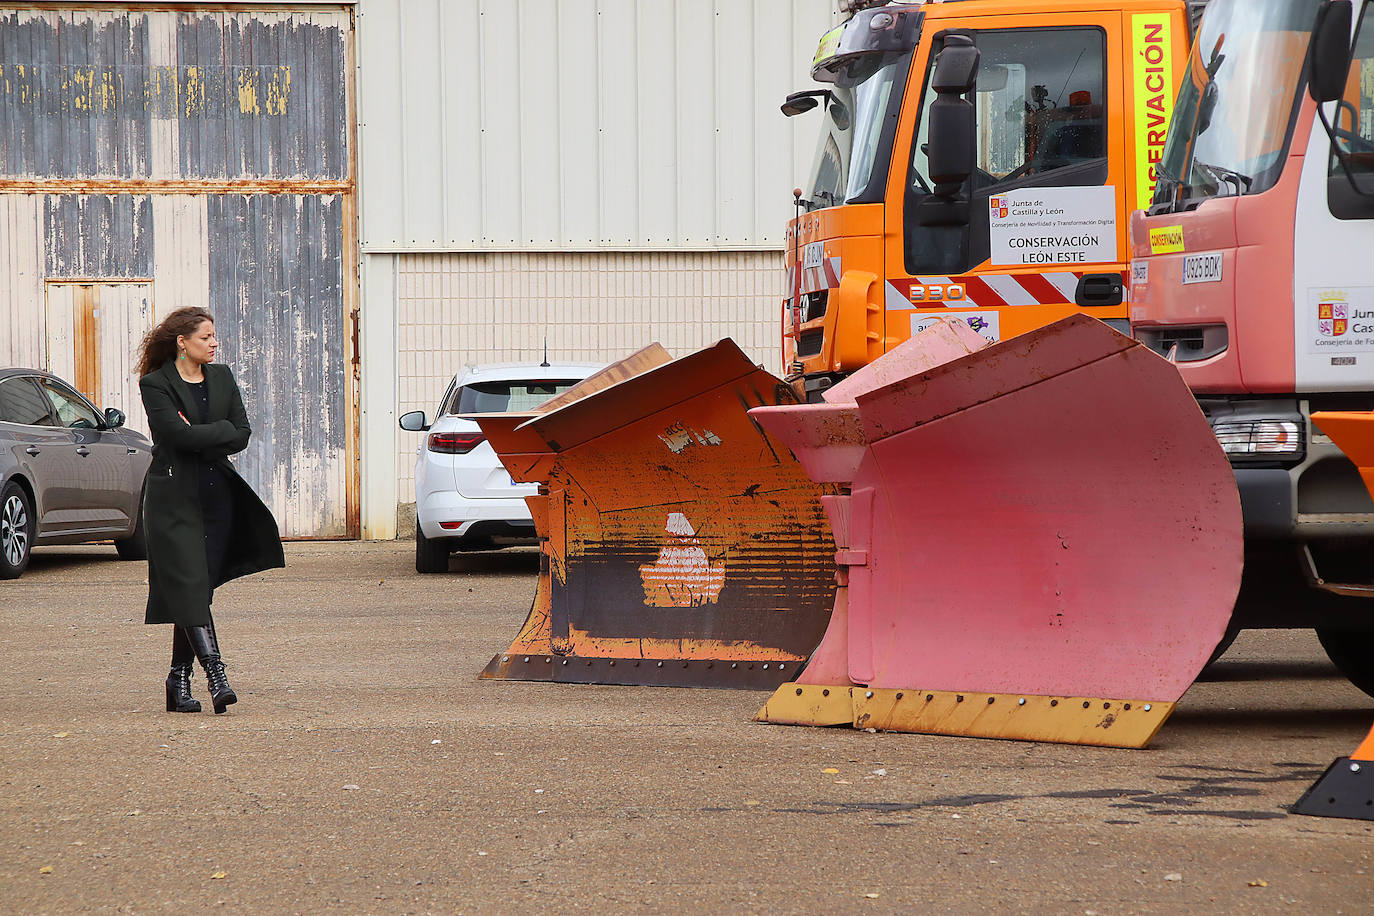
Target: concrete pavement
{"x": 366, "y": 770}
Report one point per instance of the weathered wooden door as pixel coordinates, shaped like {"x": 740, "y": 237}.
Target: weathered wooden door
{"x": 93, "y": 330}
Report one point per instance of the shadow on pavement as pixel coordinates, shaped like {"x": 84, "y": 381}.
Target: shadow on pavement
{"x": 1266, "y": 671}
{"x": 495, "y": 562}
{"x": 55, "y": 559}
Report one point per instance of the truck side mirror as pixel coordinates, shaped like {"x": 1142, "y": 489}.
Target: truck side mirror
{"x": 951, "y": 151}
{"x": 1329, "y": 54}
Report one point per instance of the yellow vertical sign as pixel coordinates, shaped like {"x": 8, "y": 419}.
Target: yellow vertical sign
{"x": 1152, "y": 70}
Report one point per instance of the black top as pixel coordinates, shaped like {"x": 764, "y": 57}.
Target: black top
{"x": 212, "y": 481}
{"x": 201, "y": 392}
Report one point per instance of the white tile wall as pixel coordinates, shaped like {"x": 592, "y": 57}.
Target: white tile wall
{"x": 457, "y": 309}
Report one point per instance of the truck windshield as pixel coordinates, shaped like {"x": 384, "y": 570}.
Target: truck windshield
{"x": 830, "y": 167}
{"x": 851, "y": 137}
{"x": 1238, "y": 103}
{"x": 872, "y": 83}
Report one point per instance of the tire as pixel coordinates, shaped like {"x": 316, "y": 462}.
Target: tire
{"x": 1352, "y": 651}
{"x": 135, "y": 546}
{"x": 17, "y": 529}
{"x": 431, "y": 556}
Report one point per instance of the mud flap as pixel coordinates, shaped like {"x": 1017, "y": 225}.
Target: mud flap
{"x": 682, "y": 546}
{"x": 1042, "y": 539}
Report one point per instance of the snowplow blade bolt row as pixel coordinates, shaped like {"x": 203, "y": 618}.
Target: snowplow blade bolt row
{"x": 1041, "y": 539}
{"x": 681, "y": 545}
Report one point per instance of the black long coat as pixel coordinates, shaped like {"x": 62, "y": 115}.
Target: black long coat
{"x": 178, "y": 580}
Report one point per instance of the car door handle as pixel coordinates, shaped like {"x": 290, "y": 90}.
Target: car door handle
{"x": 130, "y": 451}
{"x": 33, "y": 450}
{"x": 82, "y": 451}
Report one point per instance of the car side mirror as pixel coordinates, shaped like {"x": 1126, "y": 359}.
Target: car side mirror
{"x": 114, "y": 417}
{"x": 1329, "y": 55}
{"x": 414, "y": 421}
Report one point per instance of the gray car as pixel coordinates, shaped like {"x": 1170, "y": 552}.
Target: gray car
{"x": 68, "y": 472}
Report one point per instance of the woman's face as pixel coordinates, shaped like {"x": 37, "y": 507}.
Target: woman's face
{"x": 200, "y": 344}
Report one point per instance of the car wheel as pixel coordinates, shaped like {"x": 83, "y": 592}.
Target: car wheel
{"x": 431, "y": 556}
{"x": 1352, "y": 651}
{"x": 135, "y": 546}
{"x": 17, "y": 525}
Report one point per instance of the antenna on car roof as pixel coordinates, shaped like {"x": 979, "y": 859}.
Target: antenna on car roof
{"x": 545, "y": 363}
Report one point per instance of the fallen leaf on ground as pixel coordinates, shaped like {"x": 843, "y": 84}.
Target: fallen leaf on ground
{"x": 829, "y": 770}
{"x": 45, "y": 870}
{"x": 1260, "y": 882}
{"x": 1173, "y": 876}
{"x": 871, "y": 896}
{"x": 219, "y": 874}
{"x": 752, "y": 804}
{"x": 60, "y": 735}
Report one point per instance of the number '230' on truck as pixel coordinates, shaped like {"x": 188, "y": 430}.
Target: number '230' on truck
{"x": 1253, "y": 269}
{"x": 1070, "y": 109}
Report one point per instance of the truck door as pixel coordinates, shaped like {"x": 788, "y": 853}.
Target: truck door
{"x": 1048, "y": 198}
{"x": 1333, "y": 297}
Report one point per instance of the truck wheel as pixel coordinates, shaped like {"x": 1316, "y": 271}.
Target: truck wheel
{"x": 135, "y": 546}
{"x": 1352, "y": 651}
{"x": 17, "y": 526}
{"x": 431, "y": 556}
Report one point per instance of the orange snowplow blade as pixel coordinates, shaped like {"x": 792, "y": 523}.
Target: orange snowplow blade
{"x": 681, "y": 545}
{"x": 1346, "y": 789}
{"x": 1039, "y": 540}
{"x": 1353, "y": 433}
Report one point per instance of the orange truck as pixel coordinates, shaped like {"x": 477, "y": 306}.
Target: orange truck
{"x": 1061, "y": 134}
{"x": 1251, "y": 269}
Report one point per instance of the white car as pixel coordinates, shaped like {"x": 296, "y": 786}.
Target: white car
{"x": 464, "y": 499}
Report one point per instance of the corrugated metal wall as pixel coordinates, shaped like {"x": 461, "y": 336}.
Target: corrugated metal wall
{"x": 206, "y": 154}
{"x": 582, "y": 124}
{"x": 457, "y": 309}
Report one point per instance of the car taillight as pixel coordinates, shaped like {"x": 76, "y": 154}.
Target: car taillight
{"x": 454, "y": 443}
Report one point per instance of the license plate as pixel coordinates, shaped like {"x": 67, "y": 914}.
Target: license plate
{"x": 1202, "y": 268}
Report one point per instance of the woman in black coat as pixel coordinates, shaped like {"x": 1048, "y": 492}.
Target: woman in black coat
{"x": 204, "y": 524}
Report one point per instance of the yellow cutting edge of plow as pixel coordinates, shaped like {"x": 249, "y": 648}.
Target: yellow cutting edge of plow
{"x": 1094, "y": 721}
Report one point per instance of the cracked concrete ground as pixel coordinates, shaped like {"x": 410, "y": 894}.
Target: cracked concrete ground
{"x": 367, "y": 770}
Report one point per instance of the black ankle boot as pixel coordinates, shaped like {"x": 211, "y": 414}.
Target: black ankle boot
{"x": 179, "y": 697}
{"x": 207, "y": 650}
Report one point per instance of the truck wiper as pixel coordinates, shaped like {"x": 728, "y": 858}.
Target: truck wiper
{"x": 1168, "y": 184}
{"x": 1222, "y": 175}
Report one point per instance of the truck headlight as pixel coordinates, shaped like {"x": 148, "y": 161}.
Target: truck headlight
{"x": 1270, "y": 438}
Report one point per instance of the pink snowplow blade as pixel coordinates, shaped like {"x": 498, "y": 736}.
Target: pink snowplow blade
{"x": 1041, "y": 540}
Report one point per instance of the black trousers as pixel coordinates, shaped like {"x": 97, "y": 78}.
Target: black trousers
{"x": 217, "y": 511}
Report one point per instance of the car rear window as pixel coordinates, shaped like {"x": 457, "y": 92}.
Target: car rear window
{"x": 495, "y": 397}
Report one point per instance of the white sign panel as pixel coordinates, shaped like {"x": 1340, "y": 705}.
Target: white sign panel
{"x": 1202, "y": 268}
{"x": 1053, "y": 226}
{"x": 984, "y": 323}
{"x": 1335, "y": 337}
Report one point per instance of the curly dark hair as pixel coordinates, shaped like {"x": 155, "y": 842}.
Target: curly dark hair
{"x": 160, "y": 344}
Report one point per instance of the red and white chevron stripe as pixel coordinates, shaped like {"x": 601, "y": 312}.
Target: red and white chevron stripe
{"x": 824, "y": 276}
{"x": 1002, "y": 290}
